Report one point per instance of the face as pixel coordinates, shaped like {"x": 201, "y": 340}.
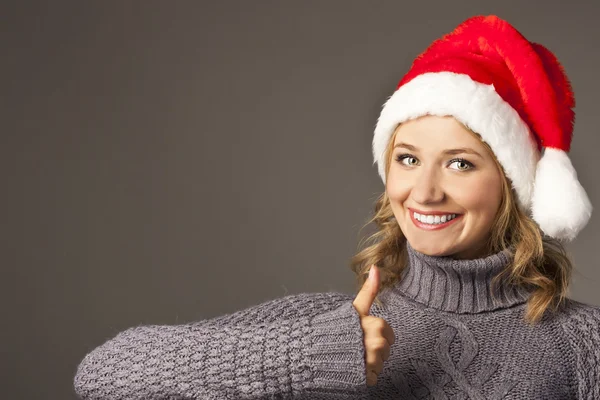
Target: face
{"x": 429, "y": 177}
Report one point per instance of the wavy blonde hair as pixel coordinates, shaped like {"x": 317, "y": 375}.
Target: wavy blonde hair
{"x": 540, "y": 262}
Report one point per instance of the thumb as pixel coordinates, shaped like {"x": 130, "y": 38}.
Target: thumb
{"x": 365, "y": 297}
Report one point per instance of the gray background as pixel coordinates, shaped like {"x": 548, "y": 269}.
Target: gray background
{"x": 164, "y": 162}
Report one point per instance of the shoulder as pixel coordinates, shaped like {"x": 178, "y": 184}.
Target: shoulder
{"x": 578, "y": 315}
{"x": 580, "y": 322}
{"x": 292, "y": 306}
{"x": 581, "y": 326}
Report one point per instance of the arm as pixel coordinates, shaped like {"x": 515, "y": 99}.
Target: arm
{"x": 583, "y": 333}
{"x": 288, "y": 307}
{"x": 319, "y": 355}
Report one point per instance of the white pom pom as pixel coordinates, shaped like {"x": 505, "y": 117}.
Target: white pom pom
{"x": 559, "y": 203}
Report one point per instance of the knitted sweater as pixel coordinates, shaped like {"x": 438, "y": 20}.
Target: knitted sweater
{"x": 454, "y": 340}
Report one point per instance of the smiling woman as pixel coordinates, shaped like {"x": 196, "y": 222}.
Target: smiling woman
{"x": 453, "y": 173}
{"x": 468, "y": 275}
{"x": 479, "y": 196}
{"x": 432, "y": 180}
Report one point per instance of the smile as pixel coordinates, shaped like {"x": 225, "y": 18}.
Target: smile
{"x": 432, "y": 227}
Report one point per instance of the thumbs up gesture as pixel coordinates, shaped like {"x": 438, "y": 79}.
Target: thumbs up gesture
{"x": 378, "y": 335}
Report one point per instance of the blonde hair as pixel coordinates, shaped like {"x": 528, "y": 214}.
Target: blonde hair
{"x": 540, "y": 262}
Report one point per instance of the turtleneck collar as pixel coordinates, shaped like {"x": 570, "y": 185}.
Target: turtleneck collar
{"x": 455, "y": 285}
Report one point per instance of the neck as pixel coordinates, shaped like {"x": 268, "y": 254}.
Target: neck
{"x": 458, "y": 285}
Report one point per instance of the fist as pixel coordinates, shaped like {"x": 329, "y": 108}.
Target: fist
{"x": 378, "y": 335}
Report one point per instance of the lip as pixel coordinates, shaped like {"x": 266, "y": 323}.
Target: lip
{"x": 428, "y": 227}
{"x": 433, "y": 212}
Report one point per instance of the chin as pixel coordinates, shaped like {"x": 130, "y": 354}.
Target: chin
{"x": 431, "y": 249}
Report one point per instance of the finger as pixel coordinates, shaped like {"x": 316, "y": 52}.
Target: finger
{"x": 374, "y": 362}
{"x": 388, "y": 333}
{"x": 365, "y": 297}
{"x": 371, "y": 378}
{"x": 385, "y": 353}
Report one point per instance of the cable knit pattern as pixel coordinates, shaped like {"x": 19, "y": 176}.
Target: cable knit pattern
{"x": 582, "y": 327}
{"x": 454, "y": 341}
{"x": 455, "y": 371}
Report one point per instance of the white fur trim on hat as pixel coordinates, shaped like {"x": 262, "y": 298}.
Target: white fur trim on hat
{"x": 560, "y": 204}
{"x": 477, "y": 106}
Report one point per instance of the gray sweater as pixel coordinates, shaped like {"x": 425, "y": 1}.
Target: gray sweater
{"x": 453, "y": 341}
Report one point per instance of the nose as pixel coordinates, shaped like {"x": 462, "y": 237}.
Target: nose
{"x": 427, "y": 186}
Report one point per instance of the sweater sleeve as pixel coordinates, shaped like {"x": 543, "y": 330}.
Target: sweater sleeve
{"x": 251, "y": 354}
{"x": 287, "y": 307}
{"x": 582, "y": 329}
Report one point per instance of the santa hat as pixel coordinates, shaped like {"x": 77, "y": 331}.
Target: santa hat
{"x": 515, "y": 94}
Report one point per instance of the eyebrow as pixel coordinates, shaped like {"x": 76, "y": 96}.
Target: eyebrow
{"x": 449, "y": 151}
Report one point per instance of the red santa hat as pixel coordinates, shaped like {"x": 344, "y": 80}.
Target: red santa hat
{"x": 516, "y": 95}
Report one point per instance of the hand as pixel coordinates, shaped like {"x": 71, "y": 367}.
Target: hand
{"x": 378, "y": 335}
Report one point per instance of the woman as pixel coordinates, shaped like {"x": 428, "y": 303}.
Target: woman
{"x": 468, "y": 276}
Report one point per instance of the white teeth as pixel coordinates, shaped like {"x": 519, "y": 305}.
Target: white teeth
{"x": 433, "y": 219}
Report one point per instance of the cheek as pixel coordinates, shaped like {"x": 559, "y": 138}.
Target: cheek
{"x": 397, "y": 184}
{"x": 397, "y": 190}
{"x": 481, "y": 196}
